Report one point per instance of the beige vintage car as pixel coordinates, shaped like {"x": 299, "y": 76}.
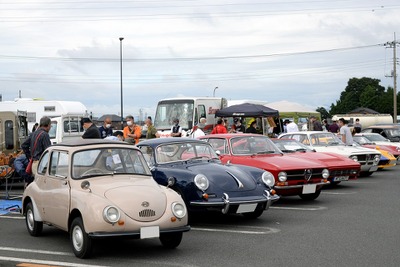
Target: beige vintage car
{"x": 98, "y": 188}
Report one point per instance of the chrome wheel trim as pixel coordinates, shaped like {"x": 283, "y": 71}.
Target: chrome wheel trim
{"x": 77, "y": 238}
{"x": 30, "y": 219}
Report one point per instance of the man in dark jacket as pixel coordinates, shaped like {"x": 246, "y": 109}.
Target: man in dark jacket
{"x": 91, "y": 130}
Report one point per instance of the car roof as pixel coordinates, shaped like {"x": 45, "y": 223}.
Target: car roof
{"x": 386, "y": 126}
{"x": 169, "y": 140}
{"x": 231, "y": 135}
{"x": 88, "y": 142}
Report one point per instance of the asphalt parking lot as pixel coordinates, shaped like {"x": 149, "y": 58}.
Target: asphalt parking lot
{"x": 353, "y": 224}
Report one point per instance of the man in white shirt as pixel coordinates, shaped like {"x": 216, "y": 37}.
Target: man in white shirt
{"x": 291, "y": 127}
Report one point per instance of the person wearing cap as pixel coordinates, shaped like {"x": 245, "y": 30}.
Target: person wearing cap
{"x": 132, "y": 132}
{"x": 291, "y": 126}
{"x": 176, "y": 129}
{"x": 315, "y": 124}
{"x": 237, "y": 127}
{"x": 91, "y": 131}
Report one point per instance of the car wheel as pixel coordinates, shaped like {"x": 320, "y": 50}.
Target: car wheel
{"x": 171, "y": 240}
{"x": 255, "y": 214}
{"x": 312, "y": 196}
{"x": 80, "y": 240}
{"x": 34, "y": 227}
{"x": 366, "y": 174}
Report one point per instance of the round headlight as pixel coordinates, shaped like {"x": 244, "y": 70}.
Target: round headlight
{"x": 282, "y": 176}
{"x": 377, "y": 158}
{"x": 111, "y": 214}
{"x": 201, "y": 182}
{"x": 355, "y": 158}
{"x": 325, "y": 173}
{"x": 268, "y": 179}
{"x": 179, "y": 210}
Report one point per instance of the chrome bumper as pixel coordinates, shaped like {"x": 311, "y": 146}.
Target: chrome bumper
{"x": 297, "y": 186}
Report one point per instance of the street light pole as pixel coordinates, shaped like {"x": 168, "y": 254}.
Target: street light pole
{"x": 214, "y": 90}
{"x": 122, "y": 98}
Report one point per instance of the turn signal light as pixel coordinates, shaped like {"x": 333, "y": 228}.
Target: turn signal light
{"x": 273, "y": 192}
{"x": 121, "y": 223}
{"x": 205, "y": 196}
{"x": 173, "y": 219}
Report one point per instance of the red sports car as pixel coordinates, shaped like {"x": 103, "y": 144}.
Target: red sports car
{"x": 341, "y": 168}
{"x": 293, "y": 176}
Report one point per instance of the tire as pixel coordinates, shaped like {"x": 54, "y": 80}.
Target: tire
{"x": 34, "y": 227}
{"x": 171, "y": 240}
{"x": 366, "y": 174}
{"x": 255, "y": 214}
{"x": 80, "y": 240}
{"x": 312, "y": 196}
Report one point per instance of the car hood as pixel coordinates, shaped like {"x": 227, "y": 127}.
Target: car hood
{"x": 330, "y": 159}
{"x": 226, "y": 177}
{"x": 346, "y": 150}
{"x": 140, "y": 199}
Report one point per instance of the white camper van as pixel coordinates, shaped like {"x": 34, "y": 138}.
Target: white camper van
{"x": 365, "y": 119}
{"x": 65, "y": 115}
{"x": 189, "y": 111}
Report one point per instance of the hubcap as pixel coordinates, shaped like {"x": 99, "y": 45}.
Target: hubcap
{"x": 77, "y": 238}
{"x": 29, "y": 219}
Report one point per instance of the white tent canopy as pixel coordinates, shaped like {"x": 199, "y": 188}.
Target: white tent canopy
{"x": 287, "y": 106}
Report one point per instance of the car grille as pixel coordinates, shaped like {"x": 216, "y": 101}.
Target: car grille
{"x": 366, "y": 159}
{"x": 342, "y": 172}
{"x": 147, "y": 213}
{"x": 304, "y": 174}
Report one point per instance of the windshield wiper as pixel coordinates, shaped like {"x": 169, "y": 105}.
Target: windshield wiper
{"x": 301, "y": 150}
{"x": 96, "y": 174}
{"x": 266, "y": 152}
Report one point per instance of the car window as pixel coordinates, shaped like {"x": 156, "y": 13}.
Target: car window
{"x": 59, "y": 164}
{"x": 42, "y": 168}
{"x": 184, "y": 151}
{"x": 252, "y": 145}
{"x": 219, "y": 144}
{"x": 148, "y": 154}
{"x": 108, "y": 161}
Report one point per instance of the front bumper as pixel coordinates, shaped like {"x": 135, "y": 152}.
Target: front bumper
{"x": 136, "y": 234}
{"x": 225, "y": 202}
{"x": 298, "y": 186}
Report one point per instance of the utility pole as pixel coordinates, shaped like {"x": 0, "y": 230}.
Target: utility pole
{"x": 394, "y": 75}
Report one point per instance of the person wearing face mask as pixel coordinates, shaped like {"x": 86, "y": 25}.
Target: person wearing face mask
{"x": 105, "y": 129}
{"x": 91, "y": 130}
{"x": 132, "y": 132}
{"x": 176, "y": 129}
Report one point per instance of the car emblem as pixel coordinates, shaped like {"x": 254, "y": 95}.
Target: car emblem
{"x": 145, "y": 204}
{"x": 307, "y": 174}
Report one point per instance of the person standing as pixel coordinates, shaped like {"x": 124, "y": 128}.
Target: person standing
{"x": 176, "y": 129}
{"x": 37, "y": 142}
{"x": 151, "y": 130}
{"x": 132, "y": 132}
{"x": 252, "y": 127}
{"x": 315, "y": 124}
{"x": 334, "y": 127}
{"x": 291, "y": 127}
{"x": 105, "y": 129}
{"x": 91, "y": 131}
{"x": 345, "y": 132}
{"x": 357, "y": 126}
{"x": 219, "y": 128}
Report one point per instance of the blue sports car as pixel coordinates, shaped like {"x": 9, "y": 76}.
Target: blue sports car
{"x": 192, "y": 168}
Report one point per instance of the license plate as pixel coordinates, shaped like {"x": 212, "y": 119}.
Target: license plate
{"x": 149, "y": 232}
{"x": 373, "y": 168}
{"x": 341, "y": 178}
{"x": 309, "y": 188}
{"x": 243, "y": 208}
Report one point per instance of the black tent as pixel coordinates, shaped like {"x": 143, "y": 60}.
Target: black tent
{"x": 247, "y": 110}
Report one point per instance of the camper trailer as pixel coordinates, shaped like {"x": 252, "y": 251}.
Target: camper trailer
{"x": 13, "y": 131}
{"x": 189, "y": 111}
{"x": 365, "y": 119}
{"x": 65, "y": 115}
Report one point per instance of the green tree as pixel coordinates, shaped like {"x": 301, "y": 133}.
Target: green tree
{"x": 324, "y": 113}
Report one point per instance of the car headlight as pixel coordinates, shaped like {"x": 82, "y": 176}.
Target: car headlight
{"x": 282, "y": 176}
{"x": 268, "y": 179}
{"x": 355, "y": 158}
{"x": 111, "y": 214}
{"x": 201, "y": 182}
{"x": 179, "y": 210}
{"x": 377, "y": 158}
{"x": 325, "y": 173}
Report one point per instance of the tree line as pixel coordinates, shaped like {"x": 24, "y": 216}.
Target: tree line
{"x": 362, "y": 92}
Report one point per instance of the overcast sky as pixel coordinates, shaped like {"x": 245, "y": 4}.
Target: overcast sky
{"x": 301, "y": 51}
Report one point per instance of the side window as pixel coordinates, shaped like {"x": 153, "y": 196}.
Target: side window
{"x": 218, "y": 144}
{"x": 9, "y": 134}
{"x": 202, "y": 112}
{"x": 42, "y": 168}
{"x": 148, "y": 155}
{"x": 59, "y": 164}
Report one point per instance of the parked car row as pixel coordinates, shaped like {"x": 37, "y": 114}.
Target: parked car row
{"x": 96, "y": 189}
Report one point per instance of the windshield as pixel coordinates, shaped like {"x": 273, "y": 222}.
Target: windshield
{"x": 362, "y": 140}
{"x": 325, "y": 139}
{"x": 169, "y": 110}
{"x": 289, "y": 146}
{"x": 108, "y": 161}
{"x": 375, "y": 137}
{"x": 253, "y": 145}
{"x": 393, "y": 132}
{"x": 184, "y": 151}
